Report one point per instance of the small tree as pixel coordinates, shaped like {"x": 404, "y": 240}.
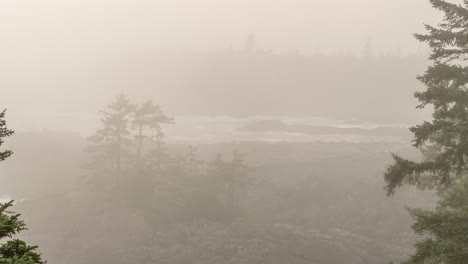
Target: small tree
{"x": 192, "y": 163}
{"x": 230, "y": 179}
{"x": 13, "y": 251}
{"x": 4, "y": 132}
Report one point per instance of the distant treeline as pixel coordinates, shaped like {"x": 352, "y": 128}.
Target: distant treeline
{"x": 243, "y": 83}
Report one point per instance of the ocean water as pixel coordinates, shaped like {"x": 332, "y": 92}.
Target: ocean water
{"x": 206, "y": 129}
{"x": 226, "y": 129}
{"x": 4, "y": 198}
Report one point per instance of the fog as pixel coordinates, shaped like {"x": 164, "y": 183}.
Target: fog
{"x": 65, "y": 57}
{"x": 303, "y": 100}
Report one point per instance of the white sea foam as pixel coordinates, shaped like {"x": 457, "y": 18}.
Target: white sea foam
{"x": 220, "y": 128}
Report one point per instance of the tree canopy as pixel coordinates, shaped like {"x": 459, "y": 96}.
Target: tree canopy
{"x": 446, "y": 91}
{"x": 444, "y": 142}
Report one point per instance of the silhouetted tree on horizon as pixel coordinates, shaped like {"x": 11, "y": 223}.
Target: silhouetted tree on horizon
{"x": 149, "y": 116}
{"x": 111, "y": 140}
{"x": 147, "y": 120}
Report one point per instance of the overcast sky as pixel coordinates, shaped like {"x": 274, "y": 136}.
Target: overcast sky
{"x": 37, "y": 27}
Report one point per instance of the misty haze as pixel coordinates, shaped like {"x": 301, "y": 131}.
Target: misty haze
{"x": 233, "y": 131}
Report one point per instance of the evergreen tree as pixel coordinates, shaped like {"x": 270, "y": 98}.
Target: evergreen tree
{"x": 445, "y": 141}
{"x": 4, "y": 132}
{"x": 110, "y": 143}
{"x": 149, "y": 116}
{"x": 231, "y": 179}
{"x": 13, "y": 251}
{"x": 446, "y": 228}
{"x": 192, "y": 163}
{"x": 446, "y": 90}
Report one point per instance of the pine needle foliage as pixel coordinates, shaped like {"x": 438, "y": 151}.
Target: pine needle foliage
{"x": 13, "y": 251}
{"x": 446, "y": 92}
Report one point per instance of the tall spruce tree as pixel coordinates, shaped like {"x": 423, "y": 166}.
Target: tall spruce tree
{"x": 446, "y": 90}
{"x": 446, "y": 136}
{"x": 110, "y": 143}
{"x": 13, "y": 251}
